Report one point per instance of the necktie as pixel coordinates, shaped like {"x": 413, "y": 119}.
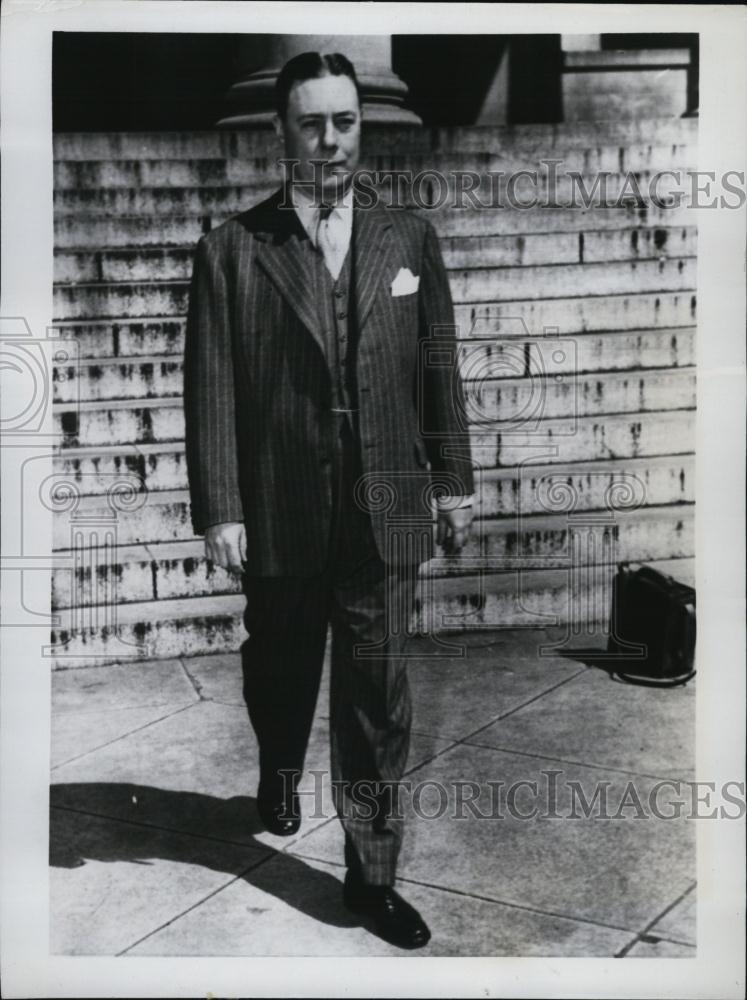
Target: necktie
{"x": 328, "y": 241}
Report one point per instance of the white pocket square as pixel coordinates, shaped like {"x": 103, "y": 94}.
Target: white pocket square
{"x": 406, "y": 282}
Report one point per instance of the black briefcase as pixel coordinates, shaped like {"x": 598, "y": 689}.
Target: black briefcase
{"x": 652, "y": 626}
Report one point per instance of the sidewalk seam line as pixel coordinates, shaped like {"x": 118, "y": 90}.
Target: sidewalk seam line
{"x": 488, "y": 899}
{"x": 511, "y": 711}
{"x": 667, "y": 909}
{"x": 303, "y": 836}
{"x": 194, "y": 906}
{"x": 124, "y": 736}
{"x": 196, "y": 686}
{"x": 462, "y": 741}
{"x": 578, "y": 763}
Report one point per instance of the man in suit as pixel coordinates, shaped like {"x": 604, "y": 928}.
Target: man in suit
{"x": 316, "y": 432}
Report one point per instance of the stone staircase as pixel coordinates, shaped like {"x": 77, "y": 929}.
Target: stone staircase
{"x": 577, "y": 327}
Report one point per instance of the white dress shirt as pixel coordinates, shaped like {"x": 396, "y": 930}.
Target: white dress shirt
{"x": 335, "y": 242}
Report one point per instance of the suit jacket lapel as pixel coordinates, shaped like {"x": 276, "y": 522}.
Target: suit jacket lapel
{"x": 281, "y": 249}
{"x": 372, "y": 244}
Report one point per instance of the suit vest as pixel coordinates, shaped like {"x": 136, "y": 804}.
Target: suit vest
{"x": 336, "y": 308}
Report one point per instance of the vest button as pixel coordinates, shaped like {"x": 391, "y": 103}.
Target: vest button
{"x": 338, "y": 293}
{"x": 342, "y": 314}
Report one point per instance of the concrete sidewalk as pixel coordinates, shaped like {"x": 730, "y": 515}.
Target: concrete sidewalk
{"x": 156, "y": 848}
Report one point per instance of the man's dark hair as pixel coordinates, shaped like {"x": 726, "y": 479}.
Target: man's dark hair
{"x": 309, "y": 66}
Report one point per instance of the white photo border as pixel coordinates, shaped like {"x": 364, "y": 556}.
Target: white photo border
{"x": 27, "y": 968}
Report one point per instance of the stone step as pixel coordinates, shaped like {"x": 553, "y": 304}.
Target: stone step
{"x": 580, "y": 354}
{"x": 91, "y": 379}
{"x": 502, "y": 600}
{"x": 568, "y": 439}
{"x": 211, "y": 624}
{"x": 156, "y": 376}
{"x": 619, "y": 437}
{"x": 98, "y": 301}
{"x": 99, "y": 576}
{"x": 246, "y": 144}
{"x": 588, "y": 247}
{"x": 511, "y": 283}
{"x": 93, "y": 469}
{"x": 159, "y": 201}
{"x": 73, "y": 232}
{"x": 119, "y": 421}
{"x": 468, "y": 286}
{"x": 107, "y": 378}
{"x": 149, "y": 630}
{"x": 449, "y": 189}
{"x": 542, "y": 540}
{"x": 173, "y": 570}
{"x": 478, "y": 221}
{"x": 165, "y": 515}
{"x": 577, "y": 314}
{"x": 487, "y": 400}
{"x": 588, "y": 485}
{"x": 596, "y": 348}
{"x": 99, "y": 340}
{"x": 522, "y": 400}
{"x": 77, "y": 232}
{"x": 175, "y": 263}
{"x": 213, "y": 172}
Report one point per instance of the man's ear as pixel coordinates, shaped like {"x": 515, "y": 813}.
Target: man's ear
{"x": 277, "y": 124}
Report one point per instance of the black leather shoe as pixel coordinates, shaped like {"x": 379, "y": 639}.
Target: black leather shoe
{"x": 278, "y": 818}
{"x": 394, "y": 919}
{"x": 279, "y": 809}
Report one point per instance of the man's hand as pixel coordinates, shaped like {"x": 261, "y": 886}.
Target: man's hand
{"x": 453, "y": 529}
{"x": 225, "y": 545}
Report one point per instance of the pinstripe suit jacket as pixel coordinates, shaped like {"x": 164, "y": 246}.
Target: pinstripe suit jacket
{"x": 259, "y": 433}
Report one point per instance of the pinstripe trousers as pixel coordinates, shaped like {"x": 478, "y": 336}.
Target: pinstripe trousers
{"x": 368, "y": 604}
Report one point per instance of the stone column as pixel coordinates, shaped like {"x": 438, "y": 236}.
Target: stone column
{"x": 250, "y": 102}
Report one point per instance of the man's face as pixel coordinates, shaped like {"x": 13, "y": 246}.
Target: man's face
{"x": 323, "y": 123}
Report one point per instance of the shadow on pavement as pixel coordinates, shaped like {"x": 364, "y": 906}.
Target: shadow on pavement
{"x": 591, "y": 657}
{"x": 617, "y": 667}
{"x": 184, "y": 827}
